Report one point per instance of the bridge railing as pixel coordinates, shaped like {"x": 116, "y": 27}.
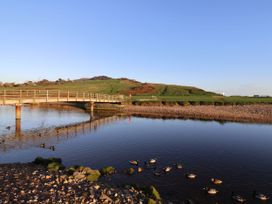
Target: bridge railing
{"x": 58, "y": 95}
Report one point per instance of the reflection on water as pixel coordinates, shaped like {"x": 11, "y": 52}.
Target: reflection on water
{"x": 46, "y": 137}
{"x": 34, "y": 117}
{"x": 240, "y": 154}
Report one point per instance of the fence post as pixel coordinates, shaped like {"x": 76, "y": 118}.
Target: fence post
{"x": 58, "y": 95}
{"x": 20, "y": 97}
{"x": 46, "y": 95}
{"x": 4, "y": 97}
{"x": 34, "y": 96}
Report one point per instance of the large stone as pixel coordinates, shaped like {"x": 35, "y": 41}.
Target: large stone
{"x": 108, "y": 170}
{"x": 45, "y": 162}
{"x": 154, "y": 193}
{"x": 55, "y": 166}
{"x": 78, "y": 175}
{"x": 93, "y": 175}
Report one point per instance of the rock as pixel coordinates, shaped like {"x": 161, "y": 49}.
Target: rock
{"x": 78, "y": 175}
{"x": 55, "y": 166}
{"x": 108, "y": 170}
{"x": 105, "y": 199}
{"x": 154, "y": 193}
{"x": 94, "y": 176}
{"x": 71, "y": 170}
{"x": 45, "y": 162}
{"x": 129, "y": 171}
{"x": 151, "y": 201}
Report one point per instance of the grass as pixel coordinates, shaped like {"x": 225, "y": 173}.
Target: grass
{"x": 143, "y": 93}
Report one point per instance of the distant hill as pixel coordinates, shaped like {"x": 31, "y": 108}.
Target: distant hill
{"x": 108, "y": 85}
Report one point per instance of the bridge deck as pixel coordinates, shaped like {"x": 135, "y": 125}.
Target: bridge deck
{"x": 49, "y": 96}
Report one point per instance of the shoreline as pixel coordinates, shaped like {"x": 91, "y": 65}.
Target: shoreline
{"x": 39, "y": 183}
{"x": 261, "y": 114}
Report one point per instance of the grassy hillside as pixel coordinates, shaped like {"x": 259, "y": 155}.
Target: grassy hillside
{"x": 142, "y": 93}
{"x": 112, "y": 86}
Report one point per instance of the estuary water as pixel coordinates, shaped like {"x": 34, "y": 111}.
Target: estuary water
{"x": 240, "y": 154}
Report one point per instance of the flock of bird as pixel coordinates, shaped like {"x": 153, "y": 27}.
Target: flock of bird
{"x": 208, "y": 190}
{"x": 152, "y": 163}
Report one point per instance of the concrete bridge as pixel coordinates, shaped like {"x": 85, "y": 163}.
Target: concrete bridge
{"x": 19, "y": 97}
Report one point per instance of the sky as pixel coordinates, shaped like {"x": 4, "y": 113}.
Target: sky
{"x": 218, "y": 45}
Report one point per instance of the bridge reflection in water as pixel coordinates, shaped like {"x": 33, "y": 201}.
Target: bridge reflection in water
{"x": 53, "y": 135}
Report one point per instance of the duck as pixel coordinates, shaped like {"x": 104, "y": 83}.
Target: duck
{"x": 139, "y": 170}
{"x": 153, "y": 161}
{"x": 156, "y": 173}
{"x": 210, "y": 191}
{"x": 179, "y": 166}
{"x": 134, "y": 162}
{"x": 191, "y": 176}
{"x": 52, "y": 148}
{"x": 42, "y": 145}
{"x": 167, "y": 169}
{"x": 260, "y": 196}
{"x": 238, "y": 198}
{"x": 216, "y": 181}
{"x": 8, "y": 127}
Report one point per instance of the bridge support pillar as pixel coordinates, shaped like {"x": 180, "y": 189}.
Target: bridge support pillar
{"x": 91, "y": 110}
{"x": 18, "y": 110}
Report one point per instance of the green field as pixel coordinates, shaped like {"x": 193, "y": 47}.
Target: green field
{"x": 142, "y": 93}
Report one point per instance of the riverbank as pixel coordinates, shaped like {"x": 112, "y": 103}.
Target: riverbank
{"x": 237, "y": 113}
{"x": 32, "y": 183}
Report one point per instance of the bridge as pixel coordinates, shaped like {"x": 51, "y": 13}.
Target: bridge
{"x": 19, "y": 97}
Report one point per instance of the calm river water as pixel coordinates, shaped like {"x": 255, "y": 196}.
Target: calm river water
{"x": 239, "y": 154}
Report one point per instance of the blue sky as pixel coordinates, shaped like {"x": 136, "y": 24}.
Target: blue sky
{"x": 218, "y": 45}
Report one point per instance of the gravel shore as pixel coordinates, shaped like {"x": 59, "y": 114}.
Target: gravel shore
{"x": 30, "y": 183}
{"x": 237, "y": 113}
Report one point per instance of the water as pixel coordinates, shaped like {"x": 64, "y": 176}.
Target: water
{"x": 240, "y": 154}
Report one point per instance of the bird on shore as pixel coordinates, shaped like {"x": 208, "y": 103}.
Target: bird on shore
{"x": 134, "y": 162}
{"x": 216, "y": 181}
{"x": 238, "y": 198}
{"x": 191, "y": 176}
{"x": 260, "y": 196}
{"x": 8, "y": 127}
{"x": 210, "y": 191}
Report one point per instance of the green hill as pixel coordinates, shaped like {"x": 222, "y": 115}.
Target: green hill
{"x": 140, "y": 92}
{"x": 108, "y": 85}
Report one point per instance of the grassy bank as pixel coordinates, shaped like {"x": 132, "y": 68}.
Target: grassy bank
{"x": 199, "y": 100}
